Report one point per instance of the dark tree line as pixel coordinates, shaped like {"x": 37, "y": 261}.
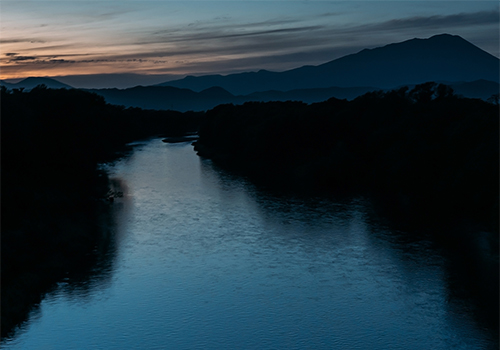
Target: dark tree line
{"x": 52, "y": 191}
{"x": 423, "y": 150}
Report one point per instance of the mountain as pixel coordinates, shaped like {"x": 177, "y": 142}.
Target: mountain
{"x": 6, "y": 84}
{"x": 445, "y": 58}
{"x": 114, "y": 80}
{"x": 167, "y": 97}
{"x": 30, "y": 83}
{"x": 442, "y": 57}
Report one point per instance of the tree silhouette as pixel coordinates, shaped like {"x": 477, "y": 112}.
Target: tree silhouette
{"x": 426, "y": 149}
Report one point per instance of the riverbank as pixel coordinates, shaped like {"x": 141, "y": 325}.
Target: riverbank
{"x": 54, "y": 198}
{"x": 425, "y": 151}
{"x": 205, "y": 259}
{"x": 426, "y": 158}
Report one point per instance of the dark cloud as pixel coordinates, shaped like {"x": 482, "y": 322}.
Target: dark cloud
{"x": 204, "y": 36}
{"x": 264, "y": 45}
{"x": 217, "y": 27}
{"x": 25, "y": 40}
{"x": 430, "y": 22}
{"x": 16, "y": 58}
{"x": 14, "y": 41}
{"x": 53, "y": 60}
{"x": 329, "y": 14}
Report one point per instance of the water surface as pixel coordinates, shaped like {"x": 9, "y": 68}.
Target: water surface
{"x": 204, "y": 260}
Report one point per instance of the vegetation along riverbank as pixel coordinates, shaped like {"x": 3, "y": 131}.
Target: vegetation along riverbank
{"x": 425, "y": 150}
{"x": 54, "y": 198}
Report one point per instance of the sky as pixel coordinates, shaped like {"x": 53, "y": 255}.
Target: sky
{"x": 124, "y": 42}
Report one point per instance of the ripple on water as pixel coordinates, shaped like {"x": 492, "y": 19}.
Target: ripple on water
{"x": 207, "y": 261}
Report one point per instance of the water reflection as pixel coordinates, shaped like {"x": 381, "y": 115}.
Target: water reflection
{"x": 76, "y": 278}
{"x": 423, "y": 266}
{"x": 202, "y": 258}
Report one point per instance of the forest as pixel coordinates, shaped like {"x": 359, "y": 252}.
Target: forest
{"x": 421, "y": 153}
{"x": 52, "y": 190}
{"x": 424, "y": 152}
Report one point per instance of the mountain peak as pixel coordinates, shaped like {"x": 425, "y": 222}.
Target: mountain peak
{"x": 442, "y": 57}
{"x": 445, "y": 36}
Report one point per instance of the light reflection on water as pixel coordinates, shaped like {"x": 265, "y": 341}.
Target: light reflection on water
{"x": 204, "y": 260}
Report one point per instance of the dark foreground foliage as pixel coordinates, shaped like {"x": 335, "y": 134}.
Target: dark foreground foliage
{"x": 424, "y": 151}
{"x": 53, "y": 196}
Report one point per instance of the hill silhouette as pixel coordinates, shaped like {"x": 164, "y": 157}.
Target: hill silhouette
{"x": 442, "y": 57}
{"x": 167, "y": 97}
{"x": 32, "y": 82}
{"x": 171, "y": 98}
{"x": 448, "y": 59}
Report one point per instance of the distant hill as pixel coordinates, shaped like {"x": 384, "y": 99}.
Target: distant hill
{"x": 439, "y": 58}
{"x": 445, "y": 58}
{"x": 7, "y": 85}
{"x": 167, "y": 97}
{"x": 30, "y": 83}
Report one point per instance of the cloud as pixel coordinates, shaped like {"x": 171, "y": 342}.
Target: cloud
{"x": 292, "y": 35}
{"x": 431, "y": 22}
{"x": 54, "y": 59}
{"x": 225, "y": 44}
{"x": 265, "y": 61}
{"x": 212, "y": 36}
{"x": 14, "y": 57}
{"x": 21, "y": 58}
{"x": 202, "y": 30}
{"x": 22, "y": 40}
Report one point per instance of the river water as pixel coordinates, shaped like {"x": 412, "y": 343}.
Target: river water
{"x": 204, "y": 260}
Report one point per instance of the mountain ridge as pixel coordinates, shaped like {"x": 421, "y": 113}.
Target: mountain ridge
{"x": 442, "y": 57}
{"x": 31, "y": 82}
{"x": 168, "y": 97}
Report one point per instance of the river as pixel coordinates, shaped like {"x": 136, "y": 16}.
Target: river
{"x": 205, "y": 260}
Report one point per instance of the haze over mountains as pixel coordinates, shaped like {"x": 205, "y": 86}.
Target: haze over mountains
{"x": 444, "y": 58}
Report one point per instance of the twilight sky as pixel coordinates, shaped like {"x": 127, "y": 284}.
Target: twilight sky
{"x": 161, "y": 38}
